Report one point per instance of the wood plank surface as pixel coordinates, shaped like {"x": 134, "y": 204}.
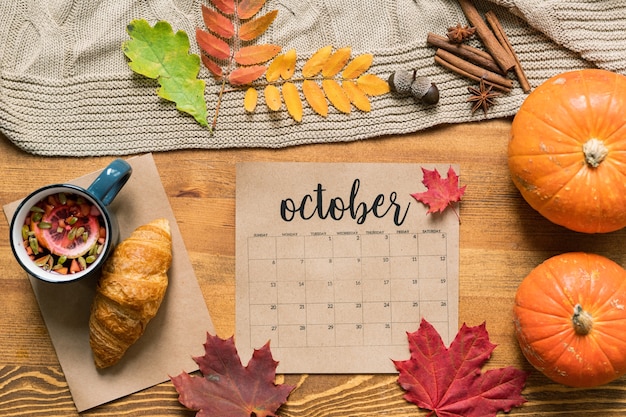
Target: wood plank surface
{"x": 501, "y": 240}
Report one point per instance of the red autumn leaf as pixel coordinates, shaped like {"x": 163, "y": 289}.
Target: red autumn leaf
{"x": 212, "y": 45}
{"x": 256, "y": 54}
{"x": 225, "y": 6}
{"x": 212, "y": 66}
{"x": 227, "y": 388}
{"x": 449, "y": 381}
{"x": 441, "y": 192}
{"x": 217, "y": 23}
{"x": 246, "y": 75}
{"x": 255, "y": 28}
{"x": 248, "y": 8}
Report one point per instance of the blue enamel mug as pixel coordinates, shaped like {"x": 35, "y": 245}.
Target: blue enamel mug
{"x": 63, "y": 232}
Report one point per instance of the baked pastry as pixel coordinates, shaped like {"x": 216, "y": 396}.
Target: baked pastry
{"x": 130, "y": 291}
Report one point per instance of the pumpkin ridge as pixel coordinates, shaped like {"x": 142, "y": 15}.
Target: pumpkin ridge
{"x": 608, "y": 304}
{"x": 552, "y": 126}
{"x": 584, "y": 171}
{"x": 617, "y": 137}
{"x": 560, "y": 351}
{"x": 599, "y": 349}
{"x": 599, "y": 329}
{"x": 560, "y": 335}
{"x": 604, "y": 123}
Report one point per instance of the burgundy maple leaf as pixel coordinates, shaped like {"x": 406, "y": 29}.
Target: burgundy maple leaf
{"x": 229, "y": 389}
{"x": 441, "y": 193}
{"x": 449, "y": 382}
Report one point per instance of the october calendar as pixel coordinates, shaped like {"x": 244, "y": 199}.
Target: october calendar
{"x": 337, "y": 262}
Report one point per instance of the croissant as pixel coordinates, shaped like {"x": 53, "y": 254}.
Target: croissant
{"x": 129, "y": 291}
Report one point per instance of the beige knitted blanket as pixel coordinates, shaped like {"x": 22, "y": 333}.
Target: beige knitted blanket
{"x": 66, "y": 88}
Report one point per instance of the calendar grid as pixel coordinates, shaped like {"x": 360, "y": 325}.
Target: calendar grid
{"x": 346, "y": 289}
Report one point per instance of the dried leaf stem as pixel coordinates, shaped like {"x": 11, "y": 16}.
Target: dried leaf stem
{"x": 498, "y": 52}
{"x": 219, "y": 103}
{"x": 498, "y": 31}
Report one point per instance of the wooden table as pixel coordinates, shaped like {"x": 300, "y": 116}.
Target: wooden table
{"x": 501, "y": 240}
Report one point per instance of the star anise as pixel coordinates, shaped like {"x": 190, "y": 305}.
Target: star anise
{"x": 459, "y": 33}
{"x": 482, "y": 97}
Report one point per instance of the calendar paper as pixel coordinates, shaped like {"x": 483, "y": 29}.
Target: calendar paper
{"x": 336, "y": 262}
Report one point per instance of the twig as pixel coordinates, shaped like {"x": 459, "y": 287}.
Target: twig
{"x": 219, "y": 103}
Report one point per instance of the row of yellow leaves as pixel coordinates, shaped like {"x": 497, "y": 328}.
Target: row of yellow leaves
{"x": 325, "y": 65}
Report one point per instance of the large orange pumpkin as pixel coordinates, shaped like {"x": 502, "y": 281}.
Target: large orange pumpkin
{"x": 567, "y": 150}
{"x": 570, "y": 319}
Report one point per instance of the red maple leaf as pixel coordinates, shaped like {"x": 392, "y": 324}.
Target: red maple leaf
{"x": 441, "y": 193}
{"x": 449, "y": 381}
{"x": 227, "y": 388}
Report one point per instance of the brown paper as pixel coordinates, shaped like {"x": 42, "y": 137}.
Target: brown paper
{"x": 336, "y": 262}
{"x": 171, "y": 339}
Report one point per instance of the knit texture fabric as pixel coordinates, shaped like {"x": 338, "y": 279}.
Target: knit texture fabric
{"x": 66, "y": 88}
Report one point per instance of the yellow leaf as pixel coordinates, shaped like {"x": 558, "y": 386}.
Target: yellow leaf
{"x": 292, "y": 101}
{"x": 273, "y": 71}
{"x": 336, "y": 95}
{"x": 256, "y": 27}
{"x": 248, "y": 8}
{"x": 357, "y": 66}
{"x": 289, "y": 64}
{"x": 256, "y": 54}
{"x": 272, "y": 97}
{"x": 356, "y": 96}
{"x": 250, "y": 99}
{"x": 315, "y": 97}
{"x": 336, "y": 62}
{"x": 372, "y": 85}
{"x": 314, "y": 65}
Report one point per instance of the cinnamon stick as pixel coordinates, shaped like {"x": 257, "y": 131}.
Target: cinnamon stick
{"x": 500, "y": 55}
{"x": 469, "y": 53}
{"x": 498, "y": 30}
{"x": 471, "y": 71}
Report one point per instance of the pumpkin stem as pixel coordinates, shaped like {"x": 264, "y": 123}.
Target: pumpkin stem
{"x": 582, "y": 321}
{"x": 595, "y": 152}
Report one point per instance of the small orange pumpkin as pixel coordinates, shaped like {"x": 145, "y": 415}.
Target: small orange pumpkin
{"x": 567, "y": 150}
{"x": 570, "y": 319}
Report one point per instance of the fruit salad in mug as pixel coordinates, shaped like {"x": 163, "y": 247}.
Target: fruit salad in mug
{"x": 64, "y": 233}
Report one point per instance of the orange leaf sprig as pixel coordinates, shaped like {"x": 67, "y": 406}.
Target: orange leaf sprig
{"x": 227, "y": 43}
{"x": 327, "y": 77}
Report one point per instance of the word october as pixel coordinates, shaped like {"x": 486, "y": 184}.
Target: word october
{"x": 313, "y": 205}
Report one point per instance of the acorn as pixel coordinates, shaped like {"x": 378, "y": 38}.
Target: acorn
{"x": 425, "y": 91}
{"x": 400, "y": 81}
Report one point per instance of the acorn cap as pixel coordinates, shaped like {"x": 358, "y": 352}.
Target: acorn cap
{"x": 425, "y": 91}
{"x": 400, "y": 81}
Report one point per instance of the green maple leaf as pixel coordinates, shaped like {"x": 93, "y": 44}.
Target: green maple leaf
{"x": 157, "y": 52}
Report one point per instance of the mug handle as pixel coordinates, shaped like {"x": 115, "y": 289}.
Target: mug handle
{"x": 110, "y": 181}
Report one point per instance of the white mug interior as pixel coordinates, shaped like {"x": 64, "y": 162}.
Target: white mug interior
{"x": 17, "y": 241}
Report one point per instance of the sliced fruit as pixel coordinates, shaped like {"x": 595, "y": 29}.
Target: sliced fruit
{"x": 66, "y": 231}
